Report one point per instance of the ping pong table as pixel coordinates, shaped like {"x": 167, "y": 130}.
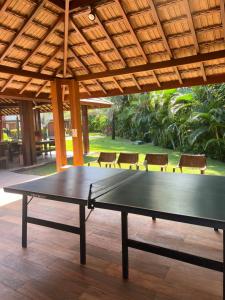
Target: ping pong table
{"x": 192, "y": 199}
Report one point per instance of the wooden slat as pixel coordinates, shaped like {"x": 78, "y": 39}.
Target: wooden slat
{"x": 23, "y": 29}
{"x": 160, "y": 28}
{"x": 117, "y": 84}
{"x": 191, "y": 24}
{"x": 131, "y": 30}
{"x": 25, "y": 86}
{"x": 156, "y": 79}
{"x": 7, "y": 83}
{"x": 43, "y": 40}
{"x": 87, "y": 43}
{"x": 109, "y": 39}
{"x": 203, "y": 71}
{"x": 41, "y": 89}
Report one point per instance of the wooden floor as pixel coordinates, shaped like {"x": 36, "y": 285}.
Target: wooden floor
{"x": 49, "y": 268}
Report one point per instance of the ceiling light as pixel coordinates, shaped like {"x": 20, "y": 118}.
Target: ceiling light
{"x": 91, "y": 16}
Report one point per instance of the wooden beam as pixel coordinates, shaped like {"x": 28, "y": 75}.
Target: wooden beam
{"x": 222, "y": 12}
{"x": 101, "y": 87}
{"x": 22, "y": 29}
{"x": 24, "y": 73}
{"x": 173, "y": 62}
{"x": 159, "y": 26}
{"x": 66, "y": 34}
{"x": 59, "y": 127}
{"x": 84, "y": 87}
{"x": 27, "y": 96}
{"x": 75, "y": 111}
{"x": 191, "y": 24}
{"x": 134, "y": 36}
{"x": 85, "y": 129}
{"x": 1, "y": 126}
{"x": 43, "y": 40}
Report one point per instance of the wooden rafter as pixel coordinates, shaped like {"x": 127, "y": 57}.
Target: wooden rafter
{"x": 159, "y": 26}
{"x": 87, "y": 43}
{"x": 222, "y": 12}
{"x": 191, "y": 24}
{"x": 4, "y": 5}
{"x": 52, "y": 57}
{"x": 84, "y": 87}
{"x": 79, "y": 60}
{"x": 22, "y": 29}
{"x": 110, "y": 39}
{"x": 203, "y": 71}
{"x": 135, "y": 81}
{"x": 178, "y": 75}
{"x": 41, "y": 88}
{"x": 193, "y": 32}
{"x": 101, "y": 87}
{"x": 25, "y": 86}
{"x": 7, "y": 83}
{"x": 58, "y": 3}
{"x": 66, "y": 34}
{"x": 117, "y": 84}
{"x": 43, "y": 40}
{"x": 156, "y": 79}
{"x": 134, "y": 36}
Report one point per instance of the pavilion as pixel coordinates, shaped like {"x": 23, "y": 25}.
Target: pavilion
{"x": 57, "y": 53}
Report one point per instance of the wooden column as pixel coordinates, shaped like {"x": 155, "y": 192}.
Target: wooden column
{"x": 58, "y": 120}
{"x": 75, "y": 108}
{"x": 37, "y": 120}
{"x": 27, "y": 130}
{"x": 1, "y": 127}
{"x": 85, "y": 128}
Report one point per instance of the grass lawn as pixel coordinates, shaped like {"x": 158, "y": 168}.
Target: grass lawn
{"x": 106, "y": 144}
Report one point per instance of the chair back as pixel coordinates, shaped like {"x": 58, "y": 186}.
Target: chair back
{"x": 192, "y": 161}
{"x": 107, "y": 157}
{"x": 128, "y": 158}
{"x": 159, "y": 159}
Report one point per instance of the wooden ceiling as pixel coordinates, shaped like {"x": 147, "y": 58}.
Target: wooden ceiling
{"x": 130, "y": 47}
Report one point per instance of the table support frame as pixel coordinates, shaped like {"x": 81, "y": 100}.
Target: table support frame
{"x": 81, "y": 230}
{"x": 166, "y": 252}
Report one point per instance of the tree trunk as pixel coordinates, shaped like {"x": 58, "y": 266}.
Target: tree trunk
{"x": 113, "y": 126}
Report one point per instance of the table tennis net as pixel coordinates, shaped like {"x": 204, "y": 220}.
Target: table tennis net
{"x": 102, "y": 187}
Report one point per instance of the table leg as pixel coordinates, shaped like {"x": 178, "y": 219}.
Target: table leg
{"x": 124, "y": 228}
{"x": 24, "y": 222}
{"x": 82, "y": 236}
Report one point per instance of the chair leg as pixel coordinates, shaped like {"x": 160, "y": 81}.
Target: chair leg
{"x": 161, "y": 169}
{"x": 216, "y": 229}
{"x": 153, "y": 219}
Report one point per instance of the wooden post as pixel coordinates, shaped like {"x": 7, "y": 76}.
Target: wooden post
{"x": 27, "y": 130}
{"x": 75, "y": 108}
{"x": 85, "y": 128}
{"x": 1, "y": 127}
{"x": 37, "y": 120}
{"x": 59, "y": 128}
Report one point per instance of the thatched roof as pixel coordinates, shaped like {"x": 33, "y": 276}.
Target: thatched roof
{"x": 130, "y": 47}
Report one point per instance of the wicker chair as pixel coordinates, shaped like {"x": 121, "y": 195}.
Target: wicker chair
{"x": 192, "y": 161}
{"x": 156, "y": 159}
{"x": 108, "y": 159}
{"x": 128, "y": 158}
